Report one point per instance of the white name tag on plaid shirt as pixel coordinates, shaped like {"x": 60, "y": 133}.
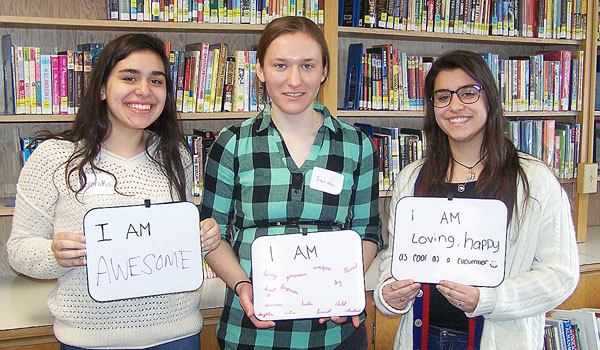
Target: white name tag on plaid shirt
{"x": 326, "y": 181}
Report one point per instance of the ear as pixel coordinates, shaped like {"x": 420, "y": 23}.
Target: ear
{"x": 260, "y": 73}
{"x": 103, "y": 93}
{"x": 324, "y": 74}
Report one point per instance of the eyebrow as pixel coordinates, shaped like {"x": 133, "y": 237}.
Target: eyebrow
{"x": 137, "y": 71}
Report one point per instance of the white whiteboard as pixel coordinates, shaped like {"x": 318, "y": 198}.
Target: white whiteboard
{"x": 316, "y": 275}
{"x": 460, "y": 240}
{"x": 136, "y": 251}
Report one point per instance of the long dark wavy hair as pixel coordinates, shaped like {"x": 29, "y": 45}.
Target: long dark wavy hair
{"x": 92, "y": 126}
{"x": 290, "y": 25}
{"x": 501, "y": 169}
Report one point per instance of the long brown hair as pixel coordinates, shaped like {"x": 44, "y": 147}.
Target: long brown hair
{"x": 502, "y": 169}
{"x": 92, "y": 126}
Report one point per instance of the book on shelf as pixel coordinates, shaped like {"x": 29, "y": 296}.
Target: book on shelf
{"x": 353, "y": 76}
{"x": 46, "y": 80}
{"x": 27, "y": 145}
{"x": 9, "y": 83}
{"x": 55, "y": 74}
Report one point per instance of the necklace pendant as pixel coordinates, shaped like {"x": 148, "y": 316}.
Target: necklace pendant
{"x": 471, "y": 175}
{"x": 461, "y": 188}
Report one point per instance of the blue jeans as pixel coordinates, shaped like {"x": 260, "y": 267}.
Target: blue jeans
{"x": 191, "y": 342}
{"x": 447, "y": 339}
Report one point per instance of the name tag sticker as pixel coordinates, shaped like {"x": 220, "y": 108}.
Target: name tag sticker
{"x": 99, "y": 183}
{"x": 326, "y": 181}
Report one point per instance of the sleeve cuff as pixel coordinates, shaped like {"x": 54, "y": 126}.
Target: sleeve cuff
{"x": 486, "y": 304}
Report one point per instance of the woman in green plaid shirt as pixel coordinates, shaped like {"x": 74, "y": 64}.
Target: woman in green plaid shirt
{"x": 257, "y": 180}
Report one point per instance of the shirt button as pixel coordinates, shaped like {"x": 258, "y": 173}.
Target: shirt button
{"x": 420, "y": 294}
{"x": 418, "y": 322}
{"x": 444, "y": 334}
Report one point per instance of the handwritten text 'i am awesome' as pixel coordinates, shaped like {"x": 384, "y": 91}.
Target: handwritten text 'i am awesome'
{"x": 110, "y": 270}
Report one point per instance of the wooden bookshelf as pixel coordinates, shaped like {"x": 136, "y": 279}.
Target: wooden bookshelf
{"x": 419, "y": 114}
{"x": 62, "y": 118}
{"x": 446, "y": 37}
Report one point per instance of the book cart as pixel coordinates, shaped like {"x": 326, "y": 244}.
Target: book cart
{"x": 58, "y": 25}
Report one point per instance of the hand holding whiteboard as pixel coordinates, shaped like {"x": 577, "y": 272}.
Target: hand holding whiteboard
{"x": 316, "y": 275}
{"x": 141, "y": 250}
{"x": 460, "y": 240}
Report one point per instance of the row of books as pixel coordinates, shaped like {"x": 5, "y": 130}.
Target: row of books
{"x": 396, "y": 148}
{"x": 199, "y": 143}
{"x": 572, "y": 330}
{"x": 546, "y": 81}
{"x": 214, "y": 11}
{"x": 210, "y": 79}
{"x": 206, "y": 78}
{"x": 558, "y": 19}
{"x": 38, "y": 83}
{"x": 384, "y": 78}
{"x": 555, "y": 144}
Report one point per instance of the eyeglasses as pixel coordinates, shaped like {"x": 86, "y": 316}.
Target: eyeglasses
{"x": 467, "y": 94}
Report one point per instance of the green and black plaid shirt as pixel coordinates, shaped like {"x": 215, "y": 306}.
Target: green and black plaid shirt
{"x": 252, "y": 188}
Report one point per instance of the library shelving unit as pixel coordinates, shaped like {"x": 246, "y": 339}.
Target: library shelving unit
{"x": 433, "y": 44}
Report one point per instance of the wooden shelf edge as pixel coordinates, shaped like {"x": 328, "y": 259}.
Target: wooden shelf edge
{"x": 415, "y": 35}
{"x": 6, "y": 211}
{"x": 379, "y": 114}
{"x": 58, "y": 23}
{"x": 67, "y": 118}
{"x": 419, "y": 114}
{"x": 30, "y": 332}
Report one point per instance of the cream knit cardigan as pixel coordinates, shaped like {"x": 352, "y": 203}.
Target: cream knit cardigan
{"x": 542, "y": 265}
{"x": 46, "y": 206}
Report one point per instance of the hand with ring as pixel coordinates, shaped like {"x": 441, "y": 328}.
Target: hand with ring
{"x": 398, "y": 293}
{"x": 463, "y": 297}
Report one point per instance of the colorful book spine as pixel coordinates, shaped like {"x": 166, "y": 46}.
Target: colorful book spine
{"x": 54, "y": 62}
{"x": 46, "y": 80}
{"x": 63, "y": 84}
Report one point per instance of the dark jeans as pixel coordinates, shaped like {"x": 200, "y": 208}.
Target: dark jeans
{"x": 191, "y": 342}
{"x": 357, "y": 340}
{"x": 447, "y": 339}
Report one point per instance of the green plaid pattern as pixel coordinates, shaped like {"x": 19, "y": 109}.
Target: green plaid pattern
{"x": 250, "y": 191}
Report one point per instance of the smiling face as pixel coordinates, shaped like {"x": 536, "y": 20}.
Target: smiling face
{"x": 292, "y": 72}
{"x": 463, "y": 123}
{"x": 135, "y": 92}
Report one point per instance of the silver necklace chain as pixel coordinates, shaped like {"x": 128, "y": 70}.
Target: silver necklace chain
{"x": 461, "y": 186}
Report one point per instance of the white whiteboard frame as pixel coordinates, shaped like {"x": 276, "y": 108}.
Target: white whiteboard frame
{"x": 318, "y": 289}
{"x": 454, "y": 262}
{"x": 167, "y": 261}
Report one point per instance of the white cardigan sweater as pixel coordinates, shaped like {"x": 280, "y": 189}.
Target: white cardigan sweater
{"x": 46, "y": 206}
{"x": 542, "y": 265}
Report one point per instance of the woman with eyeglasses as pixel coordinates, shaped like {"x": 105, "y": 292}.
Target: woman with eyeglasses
{"x": 469, "y": 157}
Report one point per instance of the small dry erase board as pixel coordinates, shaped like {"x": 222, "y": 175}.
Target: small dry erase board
{"x": 143, "y": 250}
{"x": 460, "y": 240}
{"x": 315, "y": 275}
